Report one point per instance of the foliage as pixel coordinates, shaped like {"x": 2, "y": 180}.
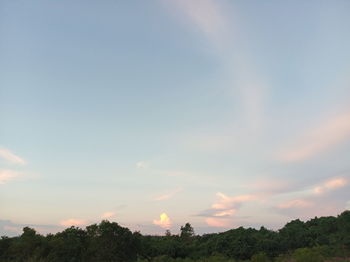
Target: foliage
{"x": 312, "y": 241}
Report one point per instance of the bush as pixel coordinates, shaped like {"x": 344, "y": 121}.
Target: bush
{"x": 307, "y": 255}
{"x": 261, "y": 257}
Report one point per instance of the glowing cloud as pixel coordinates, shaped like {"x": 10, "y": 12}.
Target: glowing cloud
{"x": 330, "y": 185}
{"x": 330, "y": 133}
{"x": 7, "y": 175}
{"x": 163, "y": 222}
{"x": 73, "y": 222}
{"x": 11, "y": 157}
{"x": 108, "y": 215}
{"x": 297, "y": 203}
{"x": 225, "y": 213}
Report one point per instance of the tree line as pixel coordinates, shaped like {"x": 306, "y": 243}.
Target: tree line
{"x": 311, "y": 241}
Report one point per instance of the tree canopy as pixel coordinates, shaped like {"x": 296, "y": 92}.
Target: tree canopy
{"x": 107, "y": 241}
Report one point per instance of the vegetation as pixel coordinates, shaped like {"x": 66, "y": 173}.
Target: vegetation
{"x": 319, "y": 239}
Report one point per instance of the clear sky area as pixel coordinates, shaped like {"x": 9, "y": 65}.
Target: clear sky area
{"x": 156, "y": 113}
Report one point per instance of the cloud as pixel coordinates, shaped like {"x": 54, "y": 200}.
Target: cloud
{"x": 163, "y": 222}
{"x": 167, "y": 195}
{"x": 226, "y": 202}
{"x": 73, "y": 222}
{"x": 317, "y": 140}
{"x": 225, "y": 213}
{"x": 222, "y": 211}
{"x": 206, "y": 15}
{"x": 8, "y": 175}
{"x": 9, "y": 228}
{"x": 11, "y": 157}
{"x": 218, "y": 222}
{"x": 241, "y": 76}
{"x": 14, "y": 229}
{"x": 108, "y": 215}
{"x": 330, "y": 185}
{"x": 297, "y": 203}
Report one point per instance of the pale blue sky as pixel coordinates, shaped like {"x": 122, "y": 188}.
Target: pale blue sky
{"x": 219, "y": 113}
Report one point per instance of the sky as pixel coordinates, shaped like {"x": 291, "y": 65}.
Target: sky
{"x": 156, "y": 113}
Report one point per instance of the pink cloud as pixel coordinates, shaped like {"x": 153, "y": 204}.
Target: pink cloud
{"x": 218, "y": 222}
{"x": 313, "y": 142}
{"x": 11, "y": 157}
{"x": 226, "y": 202}
{"x": 297, "y": 203}
{"x": 230, "y": 212}
{"x": 73, "y": 222}
{"x": 107, "y": 215}
{"x": 8, "y": 175}
{"x": 330, "y": 185}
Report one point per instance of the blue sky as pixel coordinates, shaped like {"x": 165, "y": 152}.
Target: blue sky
{"x": 157, "y": 113}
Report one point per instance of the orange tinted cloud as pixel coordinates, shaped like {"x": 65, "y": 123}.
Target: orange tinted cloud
{"x": 330, "y": 185}
{"x": 73, "y": 222}
{"x": 164, "y": 221}
{"x": 218, "y": 222}
{"x": 230, "y": 212}
{"x": 107, "y": 215}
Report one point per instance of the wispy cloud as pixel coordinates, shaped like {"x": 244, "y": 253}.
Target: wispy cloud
{"x": 206, "y": 15}
{"x": 226, "y": 202}
{"x": 297, "y": 203}
{"x": 224, "y": 209}
{"x": 168, "y": 195}
{"x": 209, "y": 17}
{"x": 319, "y": 139}
{"x": 219, "y": 222}
{"x": 8, "y": 175}
{"x": 11, "y": 157}
{"x": 164, "y": 221}
{"x": 330, "y": 185}
{"x": 108, "y": 215}
{"x": 73, "y": 222}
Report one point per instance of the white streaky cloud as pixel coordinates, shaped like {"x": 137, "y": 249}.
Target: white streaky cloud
{"x": 218, "y": 222}
{"x": 167, "y": 195}
{"x": 226, "y": 202}
{"x": 7, "y": 175}
{"x": 108, "y": 215}
{"x": 73, "y": 222}
{"x": 164, "y": 221}
{"x": 330, "y": 185}
{"x": 11, "y": 157}
{"x": 322, "y": 138}
{"x": 297, "y": 203}
{"x": 206, "y": 15}
{"x": 251, "y": 87}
